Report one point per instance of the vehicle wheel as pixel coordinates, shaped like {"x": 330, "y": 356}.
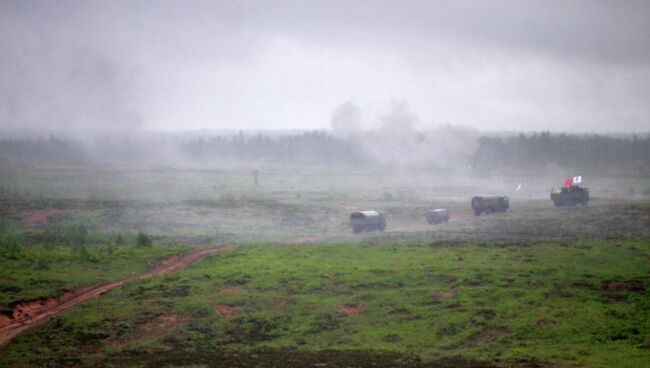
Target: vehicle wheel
{"x": 357, "y": 229}
{"x": 477, "y": 212}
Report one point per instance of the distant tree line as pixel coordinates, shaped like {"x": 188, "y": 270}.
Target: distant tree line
{"x": 306, "y": 148}
{"x": 544, "y": 149}
{"x": 517, "y": 152}
{"x": 42, "y": 150}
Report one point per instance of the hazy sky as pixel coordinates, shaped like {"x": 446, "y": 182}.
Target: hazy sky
{"x": 172, "y": 65}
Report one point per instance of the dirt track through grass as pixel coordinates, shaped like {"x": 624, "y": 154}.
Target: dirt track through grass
{"x": 54, "y": 307}
{"x": 172, "y": 264}
{"x": 423, "y": 226}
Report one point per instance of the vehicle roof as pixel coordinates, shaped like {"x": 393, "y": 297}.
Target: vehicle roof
{"x": 367, "y": 213}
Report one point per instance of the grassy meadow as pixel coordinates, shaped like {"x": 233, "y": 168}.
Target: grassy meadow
{"x": 533, "y": 287}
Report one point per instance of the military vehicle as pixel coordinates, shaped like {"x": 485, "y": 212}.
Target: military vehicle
{"x": 437, "y": 216}
{"x": 489, "y": 204}
{"x": 570, "y": 196}
{"x": 367, "y": 221}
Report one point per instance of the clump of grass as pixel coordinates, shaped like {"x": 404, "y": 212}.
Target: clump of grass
{"x": 119, "y": 240}
{"x": 9, "y": 248}
{"x": 143, "y": 240}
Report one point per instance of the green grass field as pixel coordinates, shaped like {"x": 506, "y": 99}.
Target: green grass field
{"x": 534, "y": 287}
{"x": 42, "y": 262}
{"x": 547, "y": 303}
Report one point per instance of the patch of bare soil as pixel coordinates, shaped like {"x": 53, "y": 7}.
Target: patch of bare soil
{"x": 313, "y": 238}
{"x": 39, "y": 217}
{"x": 232, "y": 290}
{"x": 443, "y": 294}
{"x": 161, "y": 323}
{"x": 227, "y": 311}
{"x": 630, "y": 285}
{"x": 483, "y": 337}
{"x": 152, "y": 328}
{"x": 351, "y": 308}
{"x": 281, "y": 304}
{"x": 617, "y": 290}
{"x": 28, "y": 313}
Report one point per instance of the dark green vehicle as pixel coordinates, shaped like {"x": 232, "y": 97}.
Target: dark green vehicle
{"x": 367, "y": 221}
{"x": 570, "y": 196}
{"x": 490, "y": 204}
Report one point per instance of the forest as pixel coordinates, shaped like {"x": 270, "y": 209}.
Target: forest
{"x": 521, "y": 152}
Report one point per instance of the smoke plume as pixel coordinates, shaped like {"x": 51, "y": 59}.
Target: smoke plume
{"x": 396, "y": 141}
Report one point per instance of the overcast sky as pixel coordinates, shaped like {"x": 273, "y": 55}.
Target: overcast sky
{"x": 176, "y": 65}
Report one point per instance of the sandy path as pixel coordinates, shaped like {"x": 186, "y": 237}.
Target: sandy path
{"x": 54, "y": 307}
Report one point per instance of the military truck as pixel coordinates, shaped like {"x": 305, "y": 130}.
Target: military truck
{"x": 570, "y": 196}
{"x": 489, "y": 204}
{"x": 437, "y": 216}
{"x": 367, "y": 221}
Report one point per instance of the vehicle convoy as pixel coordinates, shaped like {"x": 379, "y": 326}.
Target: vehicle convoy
{"x": 489, "y": 204}
{"x": 367, "y": 221}
{"x": 437, "y": 216}
{"x": 570, "y": 196}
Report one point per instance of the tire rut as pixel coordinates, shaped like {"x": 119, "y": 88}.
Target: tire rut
{"x": 171, "y": 264}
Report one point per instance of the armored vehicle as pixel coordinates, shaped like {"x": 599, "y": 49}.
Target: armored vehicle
{"x": 489, "y": 204}
{"x": 367, "y": 221}
{"x": 437, "y": 216}
{"x": 570, "y": 196}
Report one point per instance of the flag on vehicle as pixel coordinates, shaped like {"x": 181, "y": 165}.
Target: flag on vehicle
{"x": 568, "y": 182}
{"x": 577, "y": 179}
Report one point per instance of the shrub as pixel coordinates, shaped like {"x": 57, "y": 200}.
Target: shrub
{"x": 143, "y": 240}
{"x": 76, "y": 235}
{"x": 9, "y": 248}
{"x": 119, "y": 240}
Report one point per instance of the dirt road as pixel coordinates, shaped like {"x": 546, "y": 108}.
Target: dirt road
{"x": 423, "y": 226}
{"x": 29, "y": 313}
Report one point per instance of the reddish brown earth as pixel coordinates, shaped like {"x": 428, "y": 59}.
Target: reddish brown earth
{"x": 232, "y": 290}
{"x": 617, "y": 290}
{"x": 28, "y": 313}
{"x": 351, "y": 308}
{"x": 39, "y": 217}
{"x": 443, "y": 294}
{"x": 616, "y": 285}
{"x": 225, "y": 310}
{"x": 280, "y": 304}
{"x": 161, "y": 323}
{"x": 154, "y": 327}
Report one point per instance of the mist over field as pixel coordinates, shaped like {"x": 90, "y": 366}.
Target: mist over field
{"x": 420, "y": 184}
